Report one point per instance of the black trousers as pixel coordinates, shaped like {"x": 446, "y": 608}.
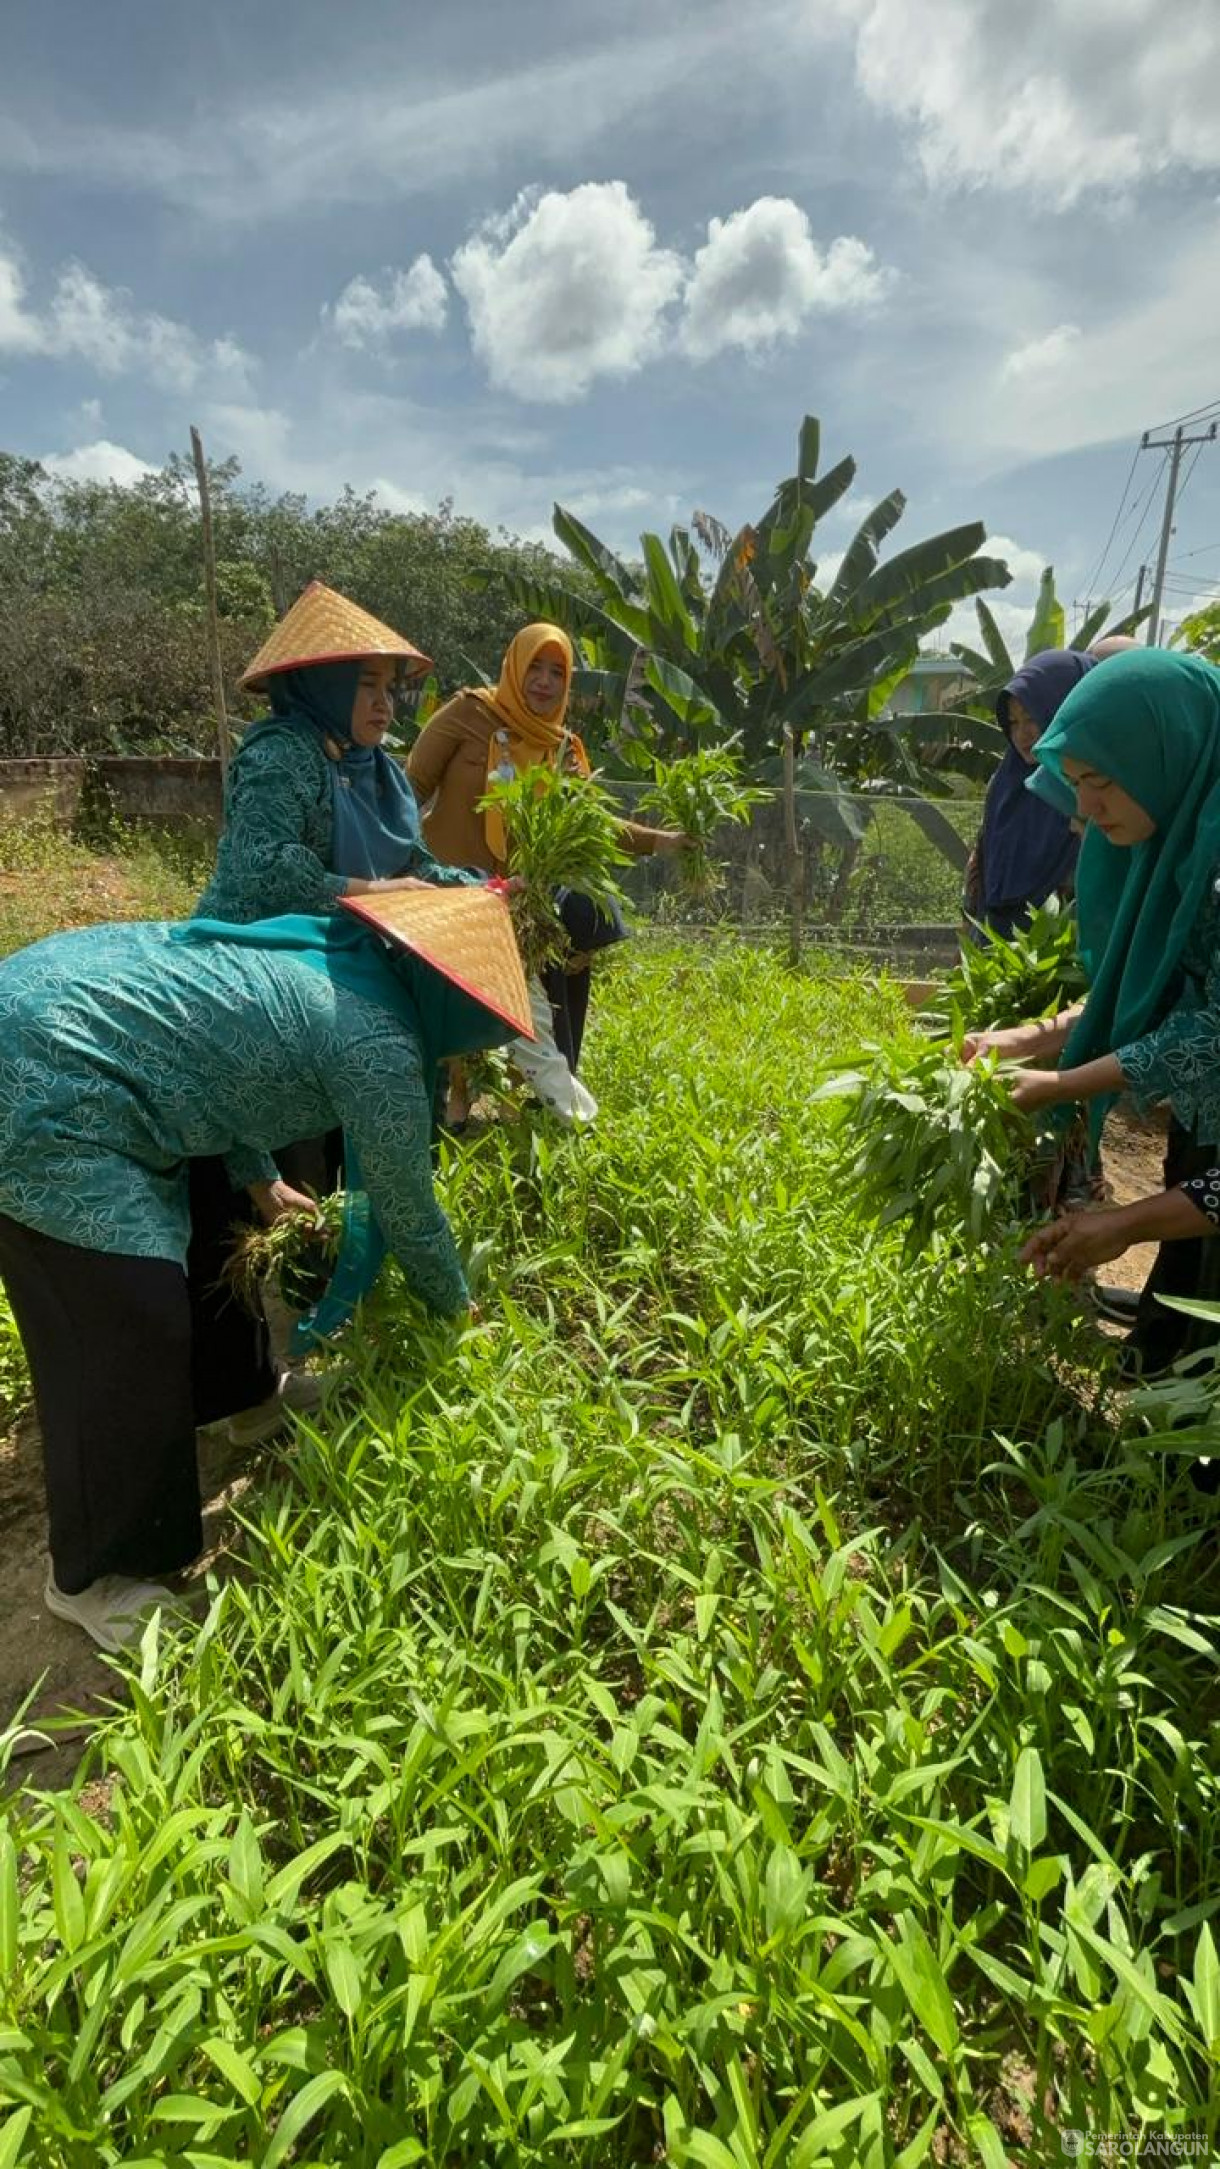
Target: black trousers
{"x": 568, "y": 995}
{"x": 589, "y": 929}
{"x": 1189, "y": 1268}
{"x": 127, "y": 1356}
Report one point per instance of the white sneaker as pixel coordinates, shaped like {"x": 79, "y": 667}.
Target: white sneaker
{"x": 297, "y": 1393}
{"x": 112, "y": 1609}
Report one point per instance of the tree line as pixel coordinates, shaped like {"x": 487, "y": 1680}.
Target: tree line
{"x": 102, "y": 625}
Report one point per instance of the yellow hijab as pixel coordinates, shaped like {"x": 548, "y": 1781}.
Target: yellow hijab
{"x": 519, "y": 738}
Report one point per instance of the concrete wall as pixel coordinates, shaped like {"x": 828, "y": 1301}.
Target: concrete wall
{"x": 47, "y": 789}
{"x": 158, "y": 793}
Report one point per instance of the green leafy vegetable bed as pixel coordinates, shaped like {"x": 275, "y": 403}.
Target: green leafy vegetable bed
{"x": 744, "y": 1703}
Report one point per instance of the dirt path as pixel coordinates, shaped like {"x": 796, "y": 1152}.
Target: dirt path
{"x": 71, "y": 1680}
{"x": 1133, "y": 1155}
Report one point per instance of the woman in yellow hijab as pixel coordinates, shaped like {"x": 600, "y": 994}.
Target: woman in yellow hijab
{"x": 487, "y": 732}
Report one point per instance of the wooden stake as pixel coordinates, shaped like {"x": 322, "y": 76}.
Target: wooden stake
{"x": 796, "y": 857}
{"x": 213, "y": 613}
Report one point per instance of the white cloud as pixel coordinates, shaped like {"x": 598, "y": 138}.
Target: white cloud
{"x": 1012, "y": 618}
{"x": 99, "y": 462}
{"x": 1026, "y": 566}
{"x": 1053, "y": 101}
{"x": 565, "y": 289}
{"x": 413, "y": 300}
{"x": 19, "y": 331}
{"x": 91, "y": 322}
{"x": 760, "y": 274}
{"x": 387, "y": 128}
{"x": 1156, "y": 339}
{"x": 1039, "y": 356}
{"x": 413, "y": 456}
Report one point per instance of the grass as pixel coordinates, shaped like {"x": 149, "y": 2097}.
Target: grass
{"x": 746, "y": 1702}
{"x": 50, "y": 880}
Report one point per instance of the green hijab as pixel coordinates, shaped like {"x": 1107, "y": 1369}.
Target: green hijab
{"x": 1151, "y": 722}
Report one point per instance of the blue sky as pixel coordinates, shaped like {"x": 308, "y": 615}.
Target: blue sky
{"x": 514, "y": 253}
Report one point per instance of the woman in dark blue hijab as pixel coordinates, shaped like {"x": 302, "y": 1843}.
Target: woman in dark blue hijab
{"x": 1027, "y": 849}
{"x": 316, "y": 808}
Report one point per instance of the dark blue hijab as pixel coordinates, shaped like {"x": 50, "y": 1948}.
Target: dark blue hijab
{"x": 1028, "y": 849}
{"x": 376, "y": 830}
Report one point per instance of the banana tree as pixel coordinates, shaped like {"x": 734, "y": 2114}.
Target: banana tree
{"x": 713, "y": 635}
{"x": 735, "y": 634}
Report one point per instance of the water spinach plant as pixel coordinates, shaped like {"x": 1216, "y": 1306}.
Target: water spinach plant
{"x": 699, "y": 793}
{"x": 563, "y": 833}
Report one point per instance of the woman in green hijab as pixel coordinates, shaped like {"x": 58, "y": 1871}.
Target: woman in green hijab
{"x": 1137, "y": 746}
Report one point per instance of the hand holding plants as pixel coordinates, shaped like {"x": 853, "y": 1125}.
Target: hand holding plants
{"x": 1072, "y": 1245}
{"x": 1013, "y": 1043}
{"x": 1034, "y": 1088}
{"x": 277, "y": 1200}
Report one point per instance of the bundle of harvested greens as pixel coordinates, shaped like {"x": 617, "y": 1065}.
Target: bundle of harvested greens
{"x": 1035, "y": 972}
{"x": 296, "y": 1252}
{"x": 563, "y": 833}
{"x": 932, "y": 1143}
{"x": 698, "y": 793}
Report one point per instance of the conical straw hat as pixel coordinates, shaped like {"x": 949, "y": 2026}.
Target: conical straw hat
{"x": 324, "y": 627}
{"x": 465, "y": 933}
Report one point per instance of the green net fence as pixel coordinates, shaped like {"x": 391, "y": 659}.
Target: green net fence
{"x": 890, "y": 891}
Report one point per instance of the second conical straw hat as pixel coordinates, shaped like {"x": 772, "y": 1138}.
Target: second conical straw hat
{"x": 465, "y": 933}
{"x": 324, "y": 627}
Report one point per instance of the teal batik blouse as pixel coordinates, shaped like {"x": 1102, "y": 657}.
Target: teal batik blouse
{"x": 1179, "y": 1060}
{"x": 125, "y": 1051}
{"x": 275, "y": 852}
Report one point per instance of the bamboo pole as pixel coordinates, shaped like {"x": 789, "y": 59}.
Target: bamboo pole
{"x": 213, "y": 613}
{"x": 796, "y": 857}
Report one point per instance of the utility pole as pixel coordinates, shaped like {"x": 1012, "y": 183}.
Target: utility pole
{"x": 1175, "y": 446}
{"x": 1141, "y": 576}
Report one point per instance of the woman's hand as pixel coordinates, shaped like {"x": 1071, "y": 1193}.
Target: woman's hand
{"x": 1034, "y": 1088}
{"x": 1014, "y": 1043}
{"x": 275, "y": 1200}
{"x": 357, "y": 887}
{"x": 1072, "y": 1245}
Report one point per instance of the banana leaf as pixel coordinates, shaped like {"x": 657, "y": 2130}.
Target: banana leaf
{"x": 860, "y": 557}
{"x": 549, "y": 599}
{"x": 1047, "y": 626}
{"x": 616, "y": 580}
{"x": 902, "y": 577}
{"x": 667, "y": 611}
{"x": 994, "y": 642}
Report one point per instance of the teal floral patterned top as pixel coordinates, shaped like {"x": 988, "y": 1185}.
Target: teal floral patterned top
{"x": 1180, "y": 1060}
{"x": 275, "y": 852}
{"x": 124, "y": 1053}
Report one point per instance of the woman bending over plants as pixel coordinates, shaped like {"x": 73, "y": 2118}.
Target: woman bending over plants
{"x": 126, "y": 1052}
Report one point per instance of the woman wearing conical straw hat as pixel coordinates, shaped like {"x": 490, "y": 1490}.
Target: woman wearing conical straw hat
{"x": 315, "y": 810}
{"x": 487, "y": 732}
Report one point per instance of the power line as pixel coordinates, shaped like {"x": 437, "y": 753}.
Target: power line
{"x": 1137, "y": 537}
{"x": 1179, "y": 421}
{"x": 1205, "y": 549}
{"x": 1091, "y": 584}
